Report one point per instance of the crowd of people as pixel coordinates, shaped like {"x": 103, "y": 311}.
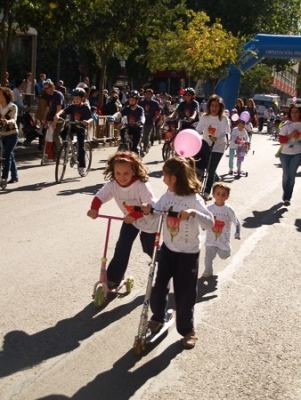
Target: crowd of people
{"x": 128, "y": 181}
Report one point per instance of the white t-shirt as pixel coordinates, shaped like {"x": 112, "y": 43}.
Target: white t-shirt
{"x": 220, "y": 235}
{"x": 209, "y": 125}
{"x": 184, "y": 236}
{"x": 236, "y": 133}
{"x": 133, "y": 195}
{"x": 293, "y": 145}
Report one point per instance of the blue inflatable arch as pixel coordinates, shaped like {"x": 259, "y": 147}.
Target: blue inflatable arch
{"x": 264, "y": 46}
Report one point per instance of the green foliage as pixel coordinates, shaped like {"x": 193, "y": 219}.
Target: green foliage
{"x": 256, "y": 80}
{"x": 195, "y": 45}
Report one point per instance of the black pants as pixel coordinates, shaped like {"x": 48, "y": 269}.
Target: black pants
{"x": 183, "y": 268}
{"x": 119, "y": 262}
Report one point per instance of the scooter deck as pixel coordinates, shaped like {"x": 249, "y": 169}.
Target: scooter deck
{"x": 154, "y": 336}
{"x": 241, "y": 174}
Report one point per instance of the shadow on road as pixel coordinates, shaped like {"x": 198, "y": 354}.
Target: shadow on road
{"x": 298, "y": 224}
{"x": 87, "y": 189}
{"x": 21, "y": 350}
{"x": 206, "y": 286}
{"x": 267, "y": 217}
{"x": 120, "y": 382}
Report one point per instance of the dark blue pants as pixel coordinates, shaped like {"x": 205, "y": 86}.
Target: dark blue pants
{"x": 214, "y": 161}
{"x": 119, "y": 262}
{"x": 183, "y": 268}
{"x": 9, "y": 143}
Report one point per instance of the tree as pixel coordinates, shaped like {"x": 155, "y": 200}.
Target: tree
{"x": 116, "y": 28}
{"x": 195, "y": 45}
{"x": 257, "y": 80}
{"x": 14, "y": 16}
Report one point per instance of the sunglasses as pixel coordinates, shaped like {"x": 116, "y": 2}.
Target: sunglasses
{"x": 46, "y": 88}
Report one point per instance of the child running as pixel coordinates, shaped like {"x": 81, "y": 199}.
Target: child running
{"x": 238, "y": 135}
{"x": 218, "y": 238}
{"x": 180, "y": 250}
{"x": 128, "y": 185}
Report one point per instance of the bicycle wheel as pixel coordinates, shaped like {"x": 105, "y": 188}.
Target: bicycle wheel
{"x": 61, "y": 163}
{"x": 88, "y": 156}
{"x": 167, "y": 150}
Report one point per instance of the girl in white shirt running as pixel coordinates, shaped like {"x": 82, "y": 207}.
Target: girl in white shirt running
{"x": 180, "y": 250}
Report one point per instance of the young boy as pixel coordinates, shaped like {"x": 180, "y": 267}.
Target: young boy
{"x": 79, "y": 111}
{"x": 218, "y": 238}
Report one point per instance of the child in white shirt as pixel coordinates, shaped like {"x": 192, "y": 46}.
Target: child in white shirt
{"x": 238, "y": 135}
{"x": 128, "y": 185}
{"x": 180, "y": 250}
{"x": 218, "y": 238}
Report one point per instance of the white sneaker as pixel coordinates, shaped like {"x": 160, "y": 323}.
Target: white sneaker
{"x": 82, "y": 171}
{"x": 207, "y": 274}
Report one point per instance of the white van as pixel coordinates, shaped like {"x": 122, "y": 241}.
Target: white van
{"x": 267, "y": 99}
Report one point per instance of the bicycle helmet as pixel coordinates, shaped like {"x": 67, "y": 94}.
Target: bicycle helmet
{"x": 79, "y": 92}
{"x": 189, "y": 90}
{"x": 134, "y": 94}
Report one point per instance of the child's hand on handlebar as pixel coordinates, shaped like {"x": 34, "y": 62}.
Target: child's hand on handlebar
{"x": 146, "y": 208}
{"x": 92, "y": 214}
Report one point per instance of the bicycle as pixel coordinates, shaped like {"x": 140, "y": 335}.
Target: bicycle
{"x": 169, "y": 135}
{"x": 125, "y": 144}
{"x": 3, "y": 182}
{"x": 68, "y": 153}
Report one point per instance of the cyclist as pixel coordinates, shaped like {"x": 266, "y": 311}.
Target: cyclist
{"x": 78, "y": 111}
{"x": 152, "y": 113}
{"x": 187, "y": 110}
{"x": 135, "y": 120}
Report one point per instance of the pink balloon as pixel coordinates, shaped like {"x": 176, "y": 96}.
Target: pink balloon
{"x": 294, "y": 99}
{"x": 188, "y": 143}
{"x": 235, "y": 117}
{"x": 245, "y": 116}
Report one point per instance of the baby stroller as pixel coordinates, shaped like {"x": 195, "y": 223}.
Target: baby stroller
{"x": 30, "y": 130}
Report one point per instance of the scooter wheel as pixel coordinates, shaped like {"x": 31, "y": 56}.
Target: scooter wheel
{"x": 139, "y": 347}
{"x": 129, "y": 284}
{"x": 246, "y": 174}
{"x": 99, "y": 297}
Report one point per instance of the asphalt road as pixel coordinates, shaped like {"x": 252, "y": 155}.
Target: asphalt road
{"x": 55, "y": 345}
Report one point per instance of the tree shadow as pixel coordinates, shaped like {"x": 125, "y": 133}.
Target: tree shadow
{"x": 93, "y": 189}
{"x": 120, "y": 382}
{"x": 21, "y": 350}
{"x": 267, "y": 217}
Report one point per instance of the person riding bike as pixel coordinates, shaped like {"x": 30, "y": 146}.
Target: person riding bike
{"x": 78, "y": 111}
{"x": 187, "y": 110}
{"x": 135, "y": 120}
